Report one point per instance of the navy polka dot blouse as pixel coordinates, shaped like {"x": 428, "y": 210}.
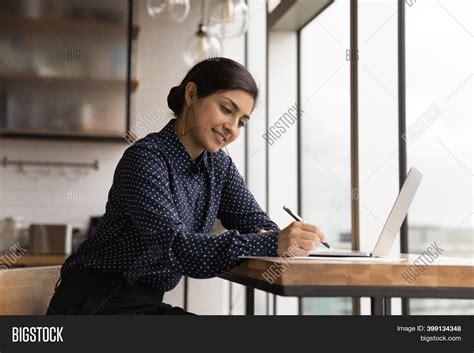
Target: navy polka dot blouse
{"x": 160, "y": 212}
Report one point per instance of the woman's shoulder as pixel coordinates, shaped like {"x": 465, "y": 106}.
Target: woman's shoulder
{"x": 147, "y": 149}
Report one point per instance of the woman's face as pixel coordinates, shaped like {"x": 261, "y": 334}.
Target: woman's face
{"x": 220, "y": 118}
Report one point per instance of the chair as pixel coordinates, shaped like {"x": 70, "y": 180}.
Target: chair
{"x": 27, "y": 291}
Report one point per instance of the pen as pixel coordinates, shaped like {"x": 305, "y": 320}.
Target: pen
{"x": 299, "y": 219}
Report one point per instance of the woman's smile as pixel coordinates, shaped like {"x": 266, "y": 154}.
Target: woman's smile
{"x": 219, "y": 137}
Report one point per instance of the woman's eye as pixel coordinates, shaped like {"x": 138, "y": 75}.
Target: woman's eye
{"x": 241, "y": 123}
{"x": 225, "y": 110}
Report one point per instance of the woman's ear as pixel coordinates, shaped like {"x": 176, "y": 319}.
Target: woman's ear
{"x": 190, "y": 93}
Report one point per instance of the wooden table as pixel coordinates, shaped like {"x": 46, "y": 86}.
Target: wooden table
{"x": 443, "y": 278}
{"x": 26, "y": 260}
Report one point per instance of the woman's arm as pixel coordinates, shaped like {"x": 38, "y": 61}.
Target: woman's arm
{"x": 238, "y": 208}
{"x": 147, "y": 201}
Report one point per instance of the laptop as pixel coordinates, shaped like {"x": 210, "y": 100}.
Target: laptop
{"x": 392, "y": 225}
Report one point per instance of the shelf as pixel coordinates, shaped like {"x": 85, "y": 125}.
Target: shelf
{"x": 48, "y": 24}
{"x": 59, "y": 135}
{"x": 33, "y": 78}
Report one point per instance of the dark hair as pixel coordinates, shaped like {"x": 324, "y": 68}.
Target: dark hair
{"x": 211, "y": 76}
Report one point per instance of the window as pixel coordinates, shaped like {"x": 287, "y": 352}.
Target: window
{"x": 439, "y": 135}
{"x": 325, "y": 136}
{"x": 378, "y": 121}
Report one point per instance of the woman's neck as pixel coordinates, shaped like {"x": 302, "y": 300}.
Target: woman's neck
{"x": 193, "y": 149}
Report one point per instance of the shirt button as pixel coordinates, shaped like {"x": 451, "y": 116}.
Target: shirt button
{"x": 196, "y": 176}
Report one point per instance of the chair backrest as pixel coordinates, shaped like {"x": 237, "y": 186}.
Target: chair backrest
{"x": 27, "y": 291}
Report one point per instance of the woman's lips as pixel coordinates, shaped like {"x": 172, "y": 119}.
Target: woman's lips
{"x": 219, "y": 137}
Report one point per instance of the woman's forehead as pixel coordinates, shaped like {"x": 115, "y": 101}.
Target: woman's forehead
{"x": 243, "y": 100}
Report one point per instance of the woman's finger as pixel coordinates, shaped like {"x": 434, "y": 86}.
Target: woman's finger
{"x": 309, "y": 236}
{"x": 321, "y": 235}
{"x": 307, "y": 244}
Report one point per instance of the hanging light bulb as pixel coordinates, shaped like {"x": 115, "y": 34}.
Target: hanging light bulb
{"x": 169, "y": 10}
{"x": 229, "y": 18}
{"x": 227, "y": 12}
{"x": 178, "y": 10}
{"x": 201, "y": 46}
{"x": 155, "y": 7}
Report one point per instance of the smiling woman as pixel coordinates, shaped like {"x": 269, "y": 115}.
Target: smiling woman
{"x": 169, "y": 188}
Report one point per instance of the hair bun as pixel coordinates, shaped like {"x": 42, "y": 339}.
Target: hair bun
{"x": 175, "y": 99}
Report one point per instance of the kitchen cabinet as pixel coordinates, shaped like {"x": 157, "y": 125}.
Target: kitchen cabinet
{"x": 66, "y": 69}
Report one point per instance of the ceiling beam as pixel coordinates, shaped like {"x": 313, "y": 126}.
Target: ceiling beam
{"x": 292, "y": 15}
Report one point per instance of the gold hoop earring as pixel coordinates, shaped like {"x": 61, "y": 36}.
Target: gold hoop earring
{"x": 186, "y": 119}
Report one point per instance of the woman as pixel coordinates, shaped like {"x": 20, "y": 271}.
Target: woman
{"x": 168, "y": 189}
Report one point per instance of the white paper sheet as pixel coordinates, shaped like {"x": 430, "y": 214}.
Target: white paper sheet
{"x": 322, "y": 259}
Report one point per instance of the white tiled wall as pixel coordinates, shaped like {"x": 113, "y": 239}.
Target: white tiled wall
{"x": 55, "y": 197}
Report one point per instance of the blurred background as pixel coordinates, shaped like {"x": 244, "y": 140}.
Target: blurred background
{"x": 353, "y": 93}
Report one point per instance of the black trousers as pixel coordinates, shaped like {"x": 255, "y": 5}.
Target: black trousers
{"x": 91, "y": 292}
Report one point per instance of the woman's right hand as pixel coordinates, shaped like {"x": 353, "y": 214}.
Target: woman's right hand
{"x": 298, "y": 239}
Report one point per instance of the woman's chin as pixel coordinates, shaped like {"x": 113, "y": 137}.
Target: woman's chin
{"x": 214, "y": 147}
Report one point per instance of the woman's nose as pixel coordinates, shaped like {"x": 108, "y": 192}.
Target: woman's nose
{"x": 230, "y": 129}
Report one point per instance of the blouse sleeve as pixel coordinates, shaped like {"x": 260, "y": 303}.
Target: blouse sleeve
{"x": 148, "y": 204}
{"x": 238, "y": 208}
